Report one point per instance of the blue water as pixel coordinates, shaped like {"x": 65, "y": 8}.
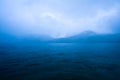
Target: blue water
{"x": 60, "y": 61}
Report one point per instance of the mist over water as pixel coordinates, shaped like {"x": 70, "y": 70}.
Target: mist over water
{"x": 59, "y": 40}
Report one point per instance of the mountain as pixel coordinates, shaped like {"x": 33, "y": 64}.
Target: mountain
{"x": 84, "y": 37}
{"x": 89, "y": 36}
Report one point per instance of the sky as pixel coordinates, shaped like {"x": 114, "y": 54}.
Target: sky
{"x": 59, "y": 18}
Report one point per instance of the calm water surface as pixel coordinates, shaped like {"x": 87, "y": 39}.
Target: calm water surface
{"x": 60, "y": 61}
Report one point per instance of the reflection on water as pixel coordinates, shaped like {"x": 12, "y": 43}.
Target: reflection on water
{"x": 60, "y": 61}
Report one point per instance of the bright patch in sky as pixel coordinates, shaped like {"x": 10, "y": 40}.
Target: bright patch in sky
{"x": 59, "y": 18}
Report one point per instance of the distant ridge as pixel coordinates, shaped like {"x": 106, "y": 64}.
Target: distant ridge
{"x": 90, "y": 36}
{"x": 84, "y": 37}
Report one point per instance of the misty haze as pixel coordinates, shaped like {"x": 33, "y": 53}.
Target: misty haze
{"x": 59, "y": 40}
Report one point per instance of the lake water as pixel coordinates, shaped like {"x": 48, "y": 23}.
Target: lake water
{"x": 60, "y": 61}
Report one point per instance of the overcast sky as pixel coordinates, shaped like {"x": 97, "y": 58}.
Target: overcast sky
{"x": 59, "y": 18}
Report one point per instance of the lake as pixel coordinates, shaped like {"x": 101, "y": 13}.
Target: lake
{"x": 60, "y": 61}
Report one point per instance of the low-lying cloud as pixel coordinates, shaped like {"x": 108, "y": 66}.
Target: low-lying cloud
{"x": 59, "y": 18}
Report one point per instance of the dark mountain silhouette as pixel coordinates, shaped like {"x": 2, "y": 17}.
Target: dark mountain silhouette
{"x": 84, "y": 37}
{"x": 89, "y": 36}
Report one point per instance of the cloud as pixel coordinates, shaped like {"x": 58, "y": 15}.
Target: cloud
{"x": 59, "y": 18}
